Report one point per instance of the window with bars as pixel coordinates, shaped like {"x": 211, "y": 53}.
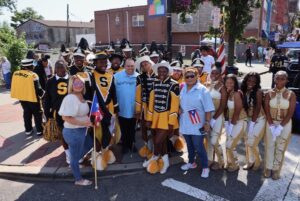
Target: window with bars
{"x": 138, "y": 21}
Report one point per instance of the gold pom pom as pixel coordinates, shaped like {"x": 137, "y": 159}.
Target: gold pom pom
{"x": 149, "y": 155}
{"x": 109, "y": 156}
{"x": 179, "y": 144}
{"x": 152, "y": 168}
{"x": 144, "y": 151}
{"x": 100, "y": 162}
{"x": 160, "y": 163}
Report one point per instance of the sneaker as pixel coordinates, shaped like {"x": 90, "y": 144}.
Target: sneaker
{"x": 188, "y": 166}
{"x": 29, "y": 133}
{"x": 39, "y": 133}
{"x": 205, "y": 173}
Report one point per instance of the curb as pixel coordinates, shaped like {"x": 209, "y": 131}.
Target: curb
{"x": 65, "y": 173}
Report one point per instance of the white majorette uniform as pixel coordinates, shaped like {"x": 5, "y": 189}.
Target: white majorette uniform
{"x": 216, "y": 126}
{"x": 276, "y": 141}
{"x": 233, "y": 134}
{"x": 254, "y": 134}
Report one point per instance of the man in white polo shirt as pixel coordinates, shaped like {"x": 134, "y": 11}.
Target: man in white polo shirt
{"x": 208, "y": 60}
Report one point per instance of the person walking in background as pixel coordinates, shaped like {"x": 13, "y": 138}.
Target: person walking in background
{"x": 196, "y": 106}
{"x": 74, "y": 111}
{"x": 30, "y": 98}
{"x": 269, "y": 54}
{"x": 56, "y": 90}
{"x": 249, "y": 55}
{"x": 40, "y": 70}
{"x": 279, "y": 105}
{"x": 208, "y": 60}
{"x": 125, "y": 82}
{"x": 6, "y": 71}
{"x": 260, "y": 51}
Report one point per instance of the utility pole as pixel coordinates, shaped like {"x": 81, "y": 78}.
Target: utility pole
{"x": 68, "y": 30}
{"x": 169, "y": 28}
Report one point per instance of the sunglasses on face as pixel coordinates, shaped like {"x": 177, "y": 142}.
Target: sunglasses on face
{"x": 189, "y": 76}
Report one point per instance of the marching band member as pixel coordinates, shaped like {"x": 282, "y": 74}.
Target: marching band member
{"x": 29, "y": 98}
{"x": 143, "y": 86}
{"x": 219, "y": 96}
{"x": 154, "y": 56}
{"x": 199, "y": 64}
{"x": 162, "y": 115}
{"x": 279, "y": 107}
{"x": 144, "y": 51}
{"x": 177, "y": 71}
{"x": 252, "y": 102}
{"x": 115, "y": 60}
{"x": 79, "y": 69}
{"x": 236, "y": 124}
{"x": 196, "y": 106}
{"x": 56, "y": 90}
{"x": 104, "y": 87}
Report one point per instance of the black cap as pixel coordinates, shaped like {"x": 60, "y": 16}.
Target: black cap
{"x": 116, "y": 55}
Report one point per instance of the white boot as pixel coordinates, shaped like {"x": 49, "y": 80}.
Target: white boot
{"x": 146, "y": 162}
{"x": 67, "y": 152}
{"x": 165, "y": 159}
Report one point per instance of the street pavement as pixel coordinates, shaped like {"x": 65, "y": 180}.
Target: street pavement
{"x": 33, "y": 169}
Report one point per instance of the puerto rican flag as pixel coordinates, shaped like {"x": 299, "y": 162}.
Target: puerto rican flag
{"x": 96, "y": 113}
{"x": 194, "y": 117}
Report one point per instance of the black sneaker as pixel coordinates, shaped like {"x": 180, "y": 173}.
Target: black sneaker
{"x": 39, "y": 134}
{"x": 134, "y": 149}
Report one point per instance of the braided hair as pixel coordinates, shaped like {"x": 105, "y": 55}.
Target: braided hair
{"x": 252, "y": 95}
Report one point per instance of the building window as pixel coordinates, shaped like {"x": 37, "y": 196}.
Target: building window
{"x": 188, "y": 19}
{"x": 138, "y": 21}
{"x": 117, "y": 20}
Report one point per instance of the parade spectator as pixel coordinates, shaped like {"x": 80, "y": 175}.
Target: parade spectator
{"x": 48, "y": 68}
{"x": 125, "y": 82}
{"x": 279, "y": 106}
{"x": 290, "y": 38}
{"x": 208, "y": 60}
{"x": 74, "y": 111}
{"x": 235, "y": 125}
{"x": 29, "y": 98}
{"x": 260, "y": 51}
{"x": 56, "y": 90}
{"x": 6, "y": 71}
{"x": 248, "y": 53}
{"x": 252, "y": 102}
{"x": 277, "y": 63}
{"x": 268, "y": 56}
{"x": 196, "y": 106}
{"x": 41, "y": 72}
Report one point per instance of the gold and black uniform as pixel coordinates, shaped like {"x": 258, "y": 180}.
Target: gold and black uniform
{"x": 144, "y": 84}
{"x": 112, "y": 71}
{"x": 164, "y": 104}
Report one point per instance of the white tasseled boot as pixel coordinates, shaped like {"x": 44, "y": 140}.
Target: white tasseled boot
{"x": 165, "y": 159}
{"x": 146, "y": 162}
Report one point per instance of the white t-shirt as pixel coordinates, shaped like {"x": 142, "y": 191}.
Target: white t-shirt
{"x": 6, "y": 67}
{"x": 72, "y": 107}
{"x": 208, "y": 62}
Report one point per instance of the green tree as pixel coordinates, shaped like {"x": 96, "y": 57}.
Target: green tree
{"x": 24, "y": 15}
{"x": 10, "y": 4}
{"x": 237, "y": 15}
{"x": 11, "y": 46}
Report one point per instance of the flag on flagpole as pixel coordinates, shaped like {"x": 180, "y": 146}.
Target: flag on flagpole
{"x": 221, "y": 55}
{"x": 194, "y": 117}
{"x": 95, "y": 111}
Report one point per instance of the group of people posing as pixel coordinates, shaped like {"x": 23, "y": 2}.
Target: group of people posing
{"x": 170, "y": 103}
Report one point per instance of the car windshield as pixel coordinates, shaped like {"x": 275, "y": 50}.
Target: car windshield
{"x": 293, "y": 54}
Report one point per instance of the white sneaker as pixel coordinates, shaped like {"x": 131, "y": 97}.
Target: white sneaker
{"x": 29, "y": 133}
{"x": 67, "y": 152}
{"x": 188, "y": 166}
{"x": 205, "y": 173}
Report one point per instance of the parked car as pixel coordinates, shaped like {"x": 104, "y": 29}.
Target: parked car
{"x": 293, "y": 54}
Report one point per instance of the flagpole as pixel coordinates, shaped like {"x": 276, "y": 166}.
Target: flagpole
{"x": 95, "y": 162}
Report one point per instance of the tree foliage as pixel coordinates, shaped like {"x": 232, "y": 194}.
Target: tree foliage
{"x": 10, "y": 4}
{"x": 24, "y": 15}
{"x": 11, "y": 46}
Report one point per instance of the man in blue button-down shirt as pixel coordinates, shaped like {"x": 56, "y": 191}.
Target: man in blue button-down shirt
{"x": 125, "y": 82}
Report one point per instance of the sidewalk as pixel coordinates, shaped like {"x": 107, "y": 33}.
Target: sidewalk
{"x": 33, "y": 156}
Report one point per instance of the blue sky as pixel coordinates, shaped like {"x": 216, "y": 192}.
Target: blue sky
{"x": 80, "y": 10}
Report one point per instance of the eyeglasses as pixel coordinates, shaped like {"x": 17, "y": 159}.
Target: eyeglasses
{"x": 189, "y": 76}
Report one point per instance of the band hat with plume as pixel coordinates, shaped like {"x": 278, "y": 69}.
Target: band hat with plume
{"x": 127, "y": 48}
{"x": 162, "y": 64}
{"x": 198, "y": 63}
{"x": 110, "y": 49}
{"x": 27, "y": 62}
{"x": 144, "y": 50}
{"x": 79, "y": 52}
{"x": 115, "y": 55}
{"x": 66, "y": 53}
{"x": 141, "y": 60}
{"x": 100, "y": 55}
{"x": 176, "y": 65}
{"x": 154, "y": 54}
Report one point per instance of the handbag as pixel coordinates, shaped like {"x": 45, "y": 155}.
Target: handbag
{"x": 52, "y": 132}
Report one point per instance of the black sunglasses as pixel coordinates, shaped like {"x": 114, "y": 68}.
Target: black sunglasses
{"x": 189, "y": 76}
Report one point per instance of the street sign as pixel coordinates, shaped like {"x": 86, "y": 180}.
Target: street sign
{"x": 216, "y": 17}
